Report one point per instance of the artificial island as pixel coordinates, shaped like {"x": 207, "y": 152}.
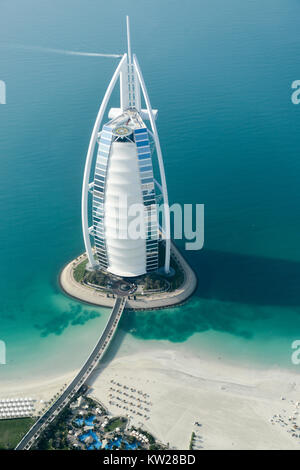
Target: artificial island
{"x": 128, "y": 247}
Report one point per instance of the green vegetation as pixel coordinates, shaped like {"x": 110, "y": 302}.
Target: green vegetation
{"x": 154, "y": 282}
{"x": 96, "y": 277}
{"x": 150, "y": 282}
{"x": 80, "y": 270}
{"x": 115, "y": 423}
{"x": 192, "y": 441}
{"x": 64, "y": 433}
{"x": 156, "y": 447}
{"x": 148, "y": 435}
{"x": 55, "y": 435}
{"x": 12, "y": 431}
{"x": 92, "y": 404}
{"x": 178, "y": 278}
{"x": 92, "y": 277}
{"x": 130, "y": 439}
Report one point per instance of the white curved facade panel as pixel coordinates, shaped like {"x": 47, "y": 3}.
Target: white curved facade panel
{"x": 124, "y": 175}
{"x": 125, "y": 221}
{"x": 125, "y": 256}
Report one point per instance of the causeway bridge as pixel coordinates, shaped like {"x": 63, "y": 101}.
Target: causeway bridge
{"x": 35, "y": 431}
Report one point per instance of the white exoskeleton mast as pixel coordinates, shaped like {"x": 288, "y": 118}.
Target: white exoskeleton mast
{"x": 131, "y": 85}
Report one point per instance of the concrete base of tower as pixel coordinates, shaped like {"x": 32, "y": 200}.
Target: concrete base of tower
{"x": 179, "y": 285}
{"x": 91, "y": 267}
{"x": 164, "y": 273}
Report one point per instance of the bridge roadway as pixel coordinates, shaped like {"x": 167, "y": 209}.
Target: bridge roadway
{"x": 82, "y": 376}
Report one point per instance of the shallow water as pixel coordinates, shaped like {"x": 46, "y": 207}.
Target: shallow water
{"x": 220, "y": 74}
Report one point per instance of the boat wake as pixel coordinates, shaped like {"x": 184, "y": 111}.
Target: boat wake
{"x": 62, "y": 51}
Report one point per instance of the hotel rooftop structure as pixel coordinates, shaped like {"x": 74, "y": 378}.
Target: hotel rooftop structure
{"x": 123, "y": 177}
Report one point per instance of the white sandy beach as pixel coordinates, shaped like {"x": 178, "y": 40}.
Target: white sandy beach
{"x": 234, "y": 405}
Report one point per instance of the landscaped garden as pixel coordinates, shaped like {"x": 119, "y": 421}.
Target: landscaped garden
{"x": 153, "y": 282}
{"x": 12, "y": 431}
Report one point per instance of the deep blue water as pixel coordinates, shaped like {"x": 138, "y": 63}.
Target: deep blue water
{"x": 220, "y": 74}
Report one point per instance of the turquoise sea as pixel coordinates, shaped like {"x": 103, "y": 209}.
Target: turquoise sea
{"x": 220, "y": 74}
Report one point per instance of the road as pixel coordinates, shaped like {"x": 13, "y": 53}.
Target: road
{"x": 82, "y": 376}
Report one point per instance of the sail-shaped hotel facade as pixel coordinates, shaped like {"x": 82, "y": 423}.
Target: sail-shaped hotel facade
{"x": 120, "y": 177}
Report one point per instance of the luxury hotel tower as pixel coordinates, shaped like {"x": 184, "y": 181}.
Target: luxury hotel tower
{"x": 123, "y": 177}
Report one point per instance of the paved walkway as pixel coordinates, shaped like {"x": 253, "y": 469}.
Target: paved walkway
{"x": 160, "y": 300}
{"x": 82, "y": 376}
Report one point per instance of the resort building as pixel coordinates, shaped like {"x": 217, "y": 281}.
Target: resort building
{"x": 121, "y": 181}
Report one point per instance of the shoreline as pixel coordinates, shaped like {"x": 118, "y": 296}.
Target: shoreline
{"x": 234, "y": 404}
{"x": 91, "y": 296}
{"x": 237, "y": 405}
